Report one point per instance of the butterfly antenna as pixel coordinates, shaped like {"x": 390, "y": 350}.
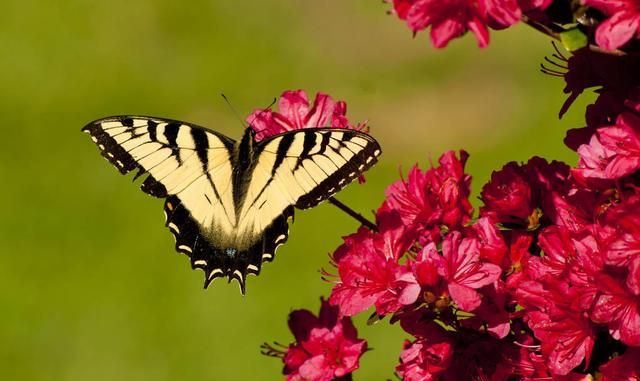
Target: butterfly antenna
{"x": 233, "y": 110}
{"x": 263, "y": 111}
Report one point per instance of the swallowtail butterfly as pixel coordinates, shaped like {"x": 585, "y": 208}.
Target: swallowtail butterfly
{"x": 228, "y": 203}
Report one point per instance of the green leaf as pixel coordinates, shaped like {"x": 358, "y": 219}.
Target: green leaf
{"x": 573, "y": 39}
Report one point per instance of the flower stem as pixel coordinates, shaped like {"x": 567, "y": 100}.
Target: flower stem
{"x": 541, "y": 28}
{"x": 352, "y": 213}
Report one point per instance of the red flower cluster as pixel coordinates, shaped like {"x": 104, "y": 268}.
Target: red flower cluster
{"x": 326, "y": 347}
{"x": 544, "y": 282}
{"x": 546, "y": 277}
{"x": 453, "y": 18}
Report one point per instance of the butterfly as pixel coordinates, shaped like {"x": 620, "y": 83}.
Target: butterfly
{"x": 228, "y": 203}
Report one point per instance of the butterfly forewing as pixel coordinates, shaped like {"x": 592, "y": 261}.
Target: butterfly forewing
{"x": 303, "y": 168}
{"x": 229, "y": 218}
{"x": 187, "y": 164}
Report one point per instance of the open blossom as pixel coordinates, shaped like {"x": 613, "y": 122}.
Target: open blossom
{"x": 567, "y": 337}
{"x": 508, "y": 197}
{"x": 559, "y": 251}
{"x": 493, "y": 247}
{"x": 623, "y": 244}
{"x": 453, "y": 18}
{"x": 462, "y": 269}
{"x": 613, "y": 152}
{"x": 370, "y": 275}
{"x": 326, "y": 347}
{"x": 519, "y": 196}
{"x": 434, "y": 199}
{"x": 621, "y": 26}
{"x": 566, "y": 340}
{"x": 564, "y": 286}
{"x": 619, "y": 308}
{"x": 427, "y": 357}
{"x": 448, "y": 20}
{"x": 439, "y": 354}
{"x": 295, "y": 112}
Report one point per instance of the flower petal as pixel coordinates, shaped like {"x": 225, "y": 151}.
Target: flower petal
{"x": 617, "y": 30}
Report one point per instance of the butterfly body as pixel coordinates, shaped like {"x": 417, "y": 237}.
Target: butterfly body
{"x": 228, "y": 203}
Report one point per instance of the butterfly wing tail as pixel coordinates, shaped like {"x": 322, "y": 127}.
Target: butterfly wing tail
{"x": 215, "y": 261}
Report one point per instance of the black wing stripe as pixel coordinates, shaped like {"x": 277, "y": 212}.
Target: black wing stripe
{"x": 283, "y": 148}
{"x": 128, "y": 122}
{"x": 202, "y": 145}
{"x": 307, "y": 146}
{"x": 131, "y": 131}
{"x": 171, "y": 134}
{"x": 152, "y": 129}
{"x": 325, "y": 141}
{"x": 344, "y": 145}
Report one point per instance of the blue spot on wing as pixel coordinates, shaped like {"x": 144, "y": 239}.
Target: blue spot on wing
{"x": 230, "y": 251}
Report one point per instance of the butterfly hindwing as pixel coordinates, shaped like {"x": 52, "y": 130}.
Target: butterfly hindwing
{"x": 227, "y": 203}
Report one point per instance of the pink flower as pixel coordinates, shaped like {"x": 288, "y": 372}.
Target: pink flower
{"x": 552, "y": 185}
{"x": 397, "y": 238}
{"x": 326, "y": 346}
{"x": 557, "y": 299}
{"x": 567, "y": 339}
{"x": 492, "y": 245}
{"x": 448, "y": 20}
{"x": 613, "y": 152}
{"x": 508, "y": 197}
{"x": 438, "y": 354}
{"x": 461, "y": 268}
{"x": 623, "y": 243}
{"x": 533, "y": 195}
{"x": 558, "y": 250}
{"x": 428, "y": 357}
{"x": 370, "y": 275}
{"x": 428, "y": 201}
{"x": 295, "y": 113}
{"x": 492, "y": 314}
{"x": 622, "y": 25}
{"x": 622, "y": 368}
{"x": 453, "y": 18}
{"x": 618, "y": 308}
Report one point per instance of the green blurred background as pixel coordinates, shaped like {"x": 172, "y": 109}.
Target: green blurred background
{"x": 90, "y": 286}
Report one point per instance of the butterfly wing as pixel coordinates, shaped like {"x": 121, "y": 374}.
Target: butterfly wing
{"x": 192, "y": 168}
{"x": 188, "y": 165}
{"x": 300, "y": 168}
